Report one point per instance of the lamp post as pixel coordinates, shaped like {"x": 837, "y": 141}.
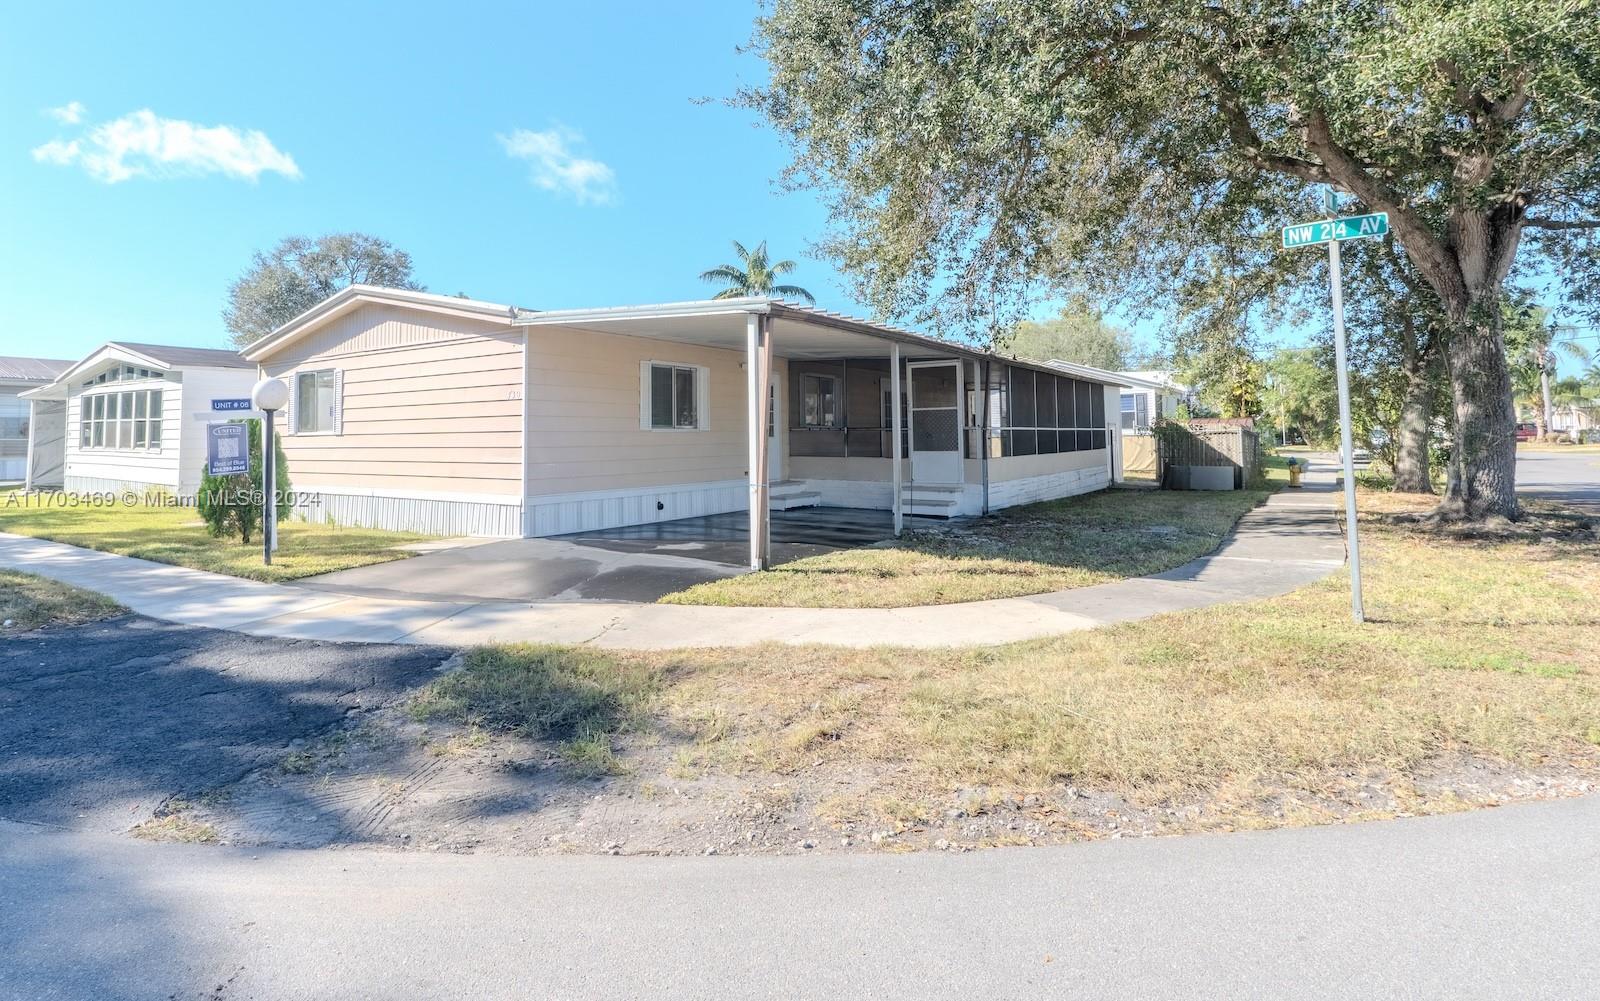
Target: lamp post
{"x": 269, "y": 396}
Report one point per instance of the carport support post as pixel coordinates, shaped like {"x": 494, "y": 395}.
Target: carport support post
{"x": 895, "y": 432}
{"x": 756, "y": 397}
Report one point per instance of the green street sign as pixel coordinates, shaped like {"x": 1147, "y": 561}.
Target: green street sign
{"x": 1352, "y": 227}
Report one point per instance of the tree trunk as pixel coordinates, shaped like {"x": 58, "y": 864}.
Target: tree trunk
{"x": 1484, "y": 451}
{"x": 1411, "y": 443}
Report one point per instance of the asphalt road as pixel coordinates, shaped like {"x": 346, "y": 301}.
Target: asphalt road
{"x": 1493, "y": 904}
{"x": 1570, "y": 477}
{"x": 99, "y": 724}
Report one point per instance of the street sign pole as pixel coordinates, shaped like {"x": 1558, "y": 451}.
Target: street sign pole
{"x": 1341, "y": 362}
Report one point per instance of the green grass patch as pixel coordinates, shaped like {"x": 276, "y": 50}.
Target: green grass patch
{"x": 1053, "y": 546}
{"x": 31, "y": 602}
{"x": 579, "y": 698}
{"x": 176, "y": 535}
{"x": 1488, "y": 647}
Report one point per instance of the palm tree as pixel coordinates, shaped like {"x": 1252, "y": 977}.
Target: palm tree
{"x": 754, "y": 275}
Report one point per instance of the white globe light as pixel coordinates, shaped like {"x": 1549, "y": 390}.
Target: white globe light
{"x": 270, "y": 394}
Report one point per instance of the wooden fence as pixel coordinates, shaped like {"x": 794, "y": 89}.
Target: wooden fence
{"x": 1208, "y": 445}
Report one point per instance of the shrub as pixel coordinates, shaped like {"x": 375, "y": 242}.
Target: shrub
{"x": 232, "y": 505}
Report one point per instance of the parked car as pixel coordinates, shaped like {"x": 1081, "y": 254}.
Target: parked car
{"x": 1360, "y": 456}
{"x": 1527, "y": 432}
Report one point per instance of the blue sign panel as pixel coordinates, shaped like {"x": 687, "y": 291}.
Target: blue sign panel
{"x": 227, "y": 449}
{"x": 230, "y": 404}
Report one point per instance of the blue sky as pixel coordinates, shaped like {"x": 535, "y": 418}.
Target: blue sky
{"x": 549, "y": 158}
{"x": 384, "y": 119}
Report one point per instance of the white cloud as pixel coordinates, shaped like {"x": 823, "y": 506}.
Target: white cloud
{"x": 554, "y": 164}
{"x": 143, "y": 144}
{"x": 68, "y": 114}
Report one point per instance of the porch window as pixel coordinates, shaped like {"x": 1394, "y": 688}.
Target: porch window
{"x": 821, "y": 401}
{"x": 126, "y": 421}
{"x": 673, "y": 397}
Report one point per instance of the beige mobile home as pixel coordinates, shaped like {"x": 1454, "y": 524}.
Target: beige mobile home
{"x": 131, "y": 411}
{"x": 449, "y": 415}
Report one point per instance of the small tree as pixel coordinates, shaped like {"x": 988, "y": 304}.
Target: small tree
{"x": 233, "y": 505}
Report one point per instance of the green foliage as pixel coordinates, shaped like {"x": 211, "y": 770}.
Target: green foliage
{"x": 1229, "y": 381}
{"x": 1079, "y": 334}
{"x": 754, "y": 275}
{"x": 1300, "y": 392}
{"x": 300, "y": 272}
{"x": 234, "y": 505}
{"x": 973, "y": 151}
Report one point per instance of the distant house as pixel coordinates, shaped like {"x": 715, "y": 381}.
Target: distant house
{"x": 129, "y": 414}
{"x": 1151, "y": 396}
{"x": 426, "y": 412}
{"x": 27, "y": 432}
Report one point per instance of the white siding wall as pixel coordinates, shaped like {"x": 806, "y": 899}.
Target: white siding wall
{"x": 176, "y": 464}
{"x": 100, "y": 469}
{"x": 200, "y": 387}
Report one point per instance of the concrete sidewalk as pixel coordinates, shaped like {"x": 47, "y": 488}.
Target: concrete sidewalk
{"x": 1290, "y": 540}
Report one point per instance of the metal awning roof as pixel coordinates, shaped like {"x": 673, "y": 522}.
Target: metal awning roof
{"x": 797, "y": 331}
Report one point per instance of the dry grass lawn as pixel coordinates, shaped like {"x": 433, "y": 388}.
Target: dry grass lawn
{"x": 31, "y": 602}
{"x": 1483, "y": 651}
{"x": 1074, "y": 542}
{"x": 176, "y": 535}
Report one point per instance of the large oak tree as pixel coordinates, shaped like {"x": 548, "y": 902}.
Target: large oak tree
{"x": 975, "y": 151}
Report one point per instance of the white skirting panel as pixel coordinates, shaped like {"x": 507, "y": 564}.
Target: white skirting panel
{"x": 561, "y": 514}
{"x": 98, "y": 485}
{"x": 489, "y": 518}
{"x": 1030, "y": 489}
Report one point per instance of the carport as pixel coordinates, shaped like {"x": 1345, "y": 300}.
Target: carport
{"x": 638, "y": 563}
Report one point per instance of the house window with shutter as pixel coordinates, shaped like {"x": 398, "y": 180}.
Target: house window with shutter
{"x": 316, "y": 402}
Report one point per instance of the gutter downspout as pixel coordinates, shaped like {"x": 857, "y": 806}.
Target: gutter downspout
{"x": 33, "y": 433}
{"x": 527, "y": 432}
{"x": 983, "y": 436}
{"x": 755, "y": 423}
{"x": 895, "y": 433}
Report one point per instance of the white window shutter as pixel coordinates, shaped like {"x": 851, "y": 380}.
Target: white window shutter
{"x": 644, "y": 396}
{"x": 293, "y": 404}
{"x": 702, "y": 394}
{"x": 338, "y": 401}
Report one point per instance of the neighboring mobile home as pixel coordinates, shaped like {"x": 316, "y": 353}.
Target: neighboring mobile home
{"x": 430, "y": 413}
{"x": 1149, "y": 397}
{"x": 30, "y": 435}
{"x": 131, "y": 411}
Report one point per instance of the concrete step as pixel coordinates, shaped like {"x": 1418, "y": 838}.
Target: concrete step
{"x": 932, "y": 500}
{"x": 802, "y": 498}
{"x": 782, "y": 495}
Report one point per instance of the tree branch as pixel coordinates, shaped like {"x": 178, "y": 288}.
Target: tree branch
{"x": 1426, "y": 250}
{"x": 1245, "y": 136}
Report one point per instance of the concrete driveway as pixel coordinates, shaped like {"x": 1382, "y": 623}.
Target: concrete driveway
{"x": 100, "y": 724}
{"x": 637, "y": 564}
